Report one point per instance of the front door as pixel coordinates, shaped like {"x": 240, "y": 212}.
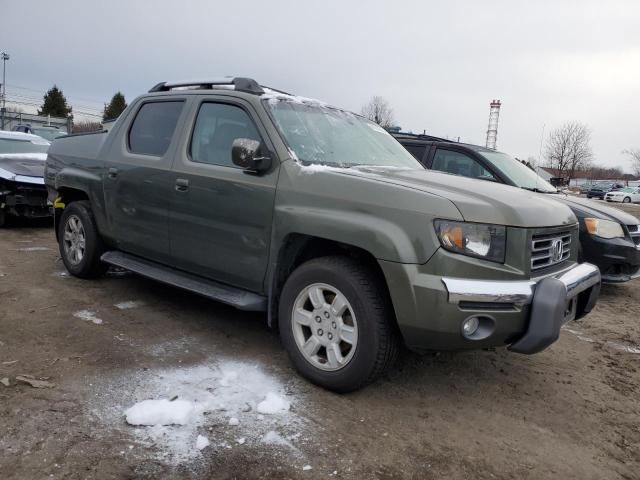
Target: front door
{"x": 220, "y": 215}
{"x": 138, "y": 182}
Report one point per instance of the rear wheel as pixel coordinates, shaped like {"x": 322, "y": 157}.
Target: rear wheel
{"x": 80, "y": 242}
{"x": 336, "y": 323}
{"x": 3, "y": 218}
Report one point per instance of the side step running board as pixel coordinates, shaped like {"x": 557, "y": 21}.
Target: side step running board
{"x": 233, "y": 296}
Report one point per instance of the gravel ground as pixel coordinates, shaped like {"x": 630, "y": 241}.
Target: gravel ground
{"x": 100, "y": 346}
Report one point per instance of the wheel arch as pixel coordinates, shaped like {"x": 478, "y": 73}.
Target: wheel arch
{"x": 64, "y": 197}
{"x": 297, "y": 249}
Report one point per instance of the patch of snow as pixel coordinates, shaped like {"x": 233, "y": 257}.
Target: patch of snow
{"x": 274, "y": 438}
{"x": 623, "y": 348}
{"x": 316, "y": 168}
{"x": 26, "y": 156}
{"x": 129, "y": 304}
{"x": 202, "y": 442}
{"x": 217, "y": 392}
{"x": 33, "y": 249}
{"x": 307, "y": 468}
{"x": 87, "y": 316}
{"x": 615, "y": 345}
{"x": 160, "y": 412}
{"x": 272, "y": 404}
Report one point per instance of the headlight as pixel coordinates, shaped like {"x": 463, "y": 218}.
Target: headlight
{"x": 603, "y": 228}
{"x": 473, "y": 239}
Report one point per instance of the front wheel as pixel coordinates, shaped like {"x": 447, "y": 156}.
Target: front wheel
{"x": 626, "y": 200}
{"x": 80, "y": 242}
{"x": 336, "y": 323}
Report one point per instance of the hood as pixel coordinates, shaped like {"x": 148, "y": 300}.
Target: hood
{"x": 478, "y": 200}
{"x": 597, "y": 210}
{"x": 16, "y": 165}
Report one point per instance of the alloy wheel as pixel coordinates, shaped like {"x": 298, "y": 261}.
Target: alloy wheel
{"x": 74, "y": 239}
{"x": 324, "y": 327}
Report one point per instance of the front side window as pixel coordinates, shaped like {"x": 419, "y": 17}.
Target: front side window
{"x": 217, "y": 126}
{"x": 329, "y": 136}
{"x": 153, "y": 128}
{"x": 459, "y": 164}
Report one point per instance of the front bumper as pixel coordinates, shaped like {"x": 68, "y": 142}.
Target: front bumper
{"x": 523, "y": 314}
{"x": 553, "y": 301}
{"x": 617, "y": 258}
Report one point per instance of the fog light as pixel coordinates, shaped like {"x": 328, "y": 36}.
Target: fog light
{"x": 470, "y": 326}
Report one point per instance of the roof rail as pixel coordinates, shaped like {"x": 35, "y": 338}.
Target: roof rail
{"x": 240, "y": 84}
{"x": 422, "y": 136}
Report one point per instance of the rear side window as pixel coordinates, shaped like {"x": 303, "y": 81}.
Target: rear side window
{"x": 217, "y": 126}
{"x": 459, "y": 164}
{"x": 416, "y": 150}
{"x": 153, "y": 128}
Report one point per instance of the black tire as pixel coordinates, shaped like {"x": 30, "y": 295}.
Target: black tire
{"x": 89, "y": 266}
{"x": 588, "y": 196}
{"x": 3, "y": 218}
{"x": 377, "y": 342}
{"x": 626, "y": 200}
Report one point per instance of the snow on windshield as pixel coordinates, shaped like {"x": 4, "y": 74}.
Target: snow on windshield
{"x": 320, "y": 134}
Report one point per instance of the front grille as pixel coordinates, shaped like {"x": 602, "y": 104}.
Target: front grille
{"x": 550, "y": 249}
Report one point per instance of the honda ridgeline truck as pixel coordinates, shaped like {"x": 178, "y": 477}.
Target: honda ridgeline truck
{"x": 272, "y": 202}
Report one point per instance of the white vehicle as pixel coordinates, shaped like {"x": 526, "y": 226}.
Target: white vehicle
{"x": 624, "y": 195}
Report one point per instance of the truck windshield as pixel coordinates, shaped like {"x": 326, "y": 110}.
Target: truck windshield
{"x": 521, "y": 175}
{"x": 330, "y": 136}
{"x": 22, "y": 146}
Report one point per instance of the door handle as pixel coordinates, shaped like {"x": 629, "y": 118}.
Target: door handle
{"x": 113, "y": 172}
{"x": 182, "y": 184}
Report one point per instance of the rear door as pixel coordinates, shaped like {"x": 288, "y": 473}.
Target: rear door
{"x": 220, "y": 215}
{"x": 138, "y": 182}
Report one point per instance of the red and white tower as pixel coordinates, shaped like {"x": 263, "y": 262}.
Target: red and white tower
{"x": 492, "y": 130}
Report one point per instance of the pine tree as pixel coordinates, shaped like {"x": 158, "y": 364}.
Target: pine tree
{"x": 115, "y": 108}
{"x": 55, "y": 104}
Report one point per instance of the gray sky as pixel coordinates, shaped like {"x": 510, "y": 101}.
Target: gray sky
{"x": 438, "y": 63}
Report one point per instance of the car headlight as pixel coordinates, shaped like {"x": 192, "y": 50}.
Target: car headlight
{"x": 473, "y": 239}
{"x": 603, "y": 228}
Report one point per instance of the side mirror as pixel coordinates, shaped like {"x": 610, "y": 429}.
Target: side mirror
{"x": 245, "y": 154}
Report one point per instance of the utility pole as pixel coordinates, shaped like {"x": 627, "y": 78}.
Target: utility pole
{"x": 5, "y": 57}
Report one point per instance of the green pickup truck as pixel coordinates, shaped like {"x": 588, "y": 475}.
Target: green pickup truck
{"x": 272, "y": 202}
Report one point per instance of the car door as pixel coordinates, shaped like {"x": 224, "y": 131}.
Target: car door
{"x": 138, "y": 182}
{"x": 459, "y": 163}
{"x": 221, "y": 215}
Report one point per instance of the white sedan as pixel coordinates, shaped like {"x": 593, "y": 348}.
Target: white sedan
{"x": 624, "y": 195}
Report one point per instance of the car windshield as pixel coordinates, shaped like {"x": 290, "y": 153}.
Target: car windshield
{"x": 22, "y": 146}
{"x": 628, "y": 190}
{"x": 48, "y": 133}
{"x": 521, "y": 175}
{"x": 329, "y": 136}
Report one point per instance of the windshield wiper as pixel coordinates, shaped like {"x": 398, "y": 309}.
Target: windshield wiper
{"x": 537, "y": 190}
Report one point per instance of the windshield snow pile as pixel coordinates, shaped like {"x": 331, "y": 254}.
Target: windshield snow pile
{"x": 319, "y": 134}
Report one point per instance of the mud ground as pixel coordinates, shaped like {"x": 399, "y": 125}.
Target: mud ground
{"x": 572, "y": 411}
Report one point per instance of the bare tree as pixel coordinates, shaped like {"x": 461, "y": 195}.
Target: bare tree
{"x": 568, "y": 148}
{"x": 378, "y": 110}
{"x": 634, "y": 153}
